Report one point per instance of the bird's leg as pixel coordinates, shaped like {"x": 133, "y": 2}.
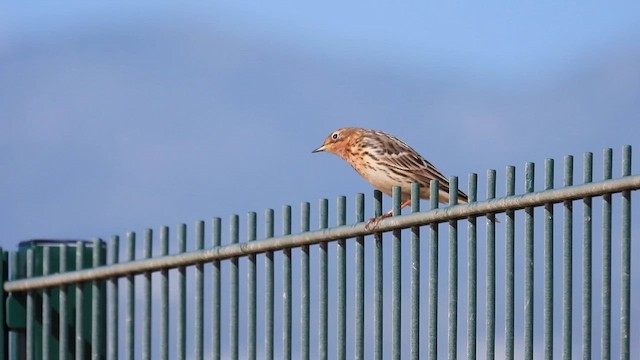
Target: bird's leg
{"x": 373, "y": 222}
{"x": 405, "y": 204}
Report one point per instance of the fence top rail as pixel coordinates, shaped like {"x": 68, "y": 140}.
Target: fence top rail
{"x": 457, "y": 212}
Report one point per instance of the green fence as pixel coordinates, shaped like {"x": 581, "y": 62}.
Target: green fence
{"x": 546, "y": 273}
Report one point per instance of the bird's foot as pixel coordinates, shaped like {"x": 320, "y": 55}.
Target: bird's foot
{"x": 373, "y": 222}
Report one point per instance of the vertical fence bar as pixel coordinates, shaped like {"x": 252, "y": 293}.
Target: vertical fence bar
{"x": 216, "y": 236}
{"x": 567, "y": 292}
{"x": 490, "y": 304}
{"x": 4, "y": 336}
{"x": 31, "y": 309}
{"x": 251, "y": 289}
{"x": 433, "y": 276}
{"x": 377, "y": 282}
{"x": 472, "y": 273}
{"x": 16, "y": 349}
{"x": 323, "y": 316}
{"x": 606, "y": 260}
{"x": 146, "y": 303}
{"x": 286, "y": 286}
{"x": 548, "y": 264}
{"x": 234, "y": 320}
{"x": 80, "y": 353}
{"x": 130, "y": 319}
{"x": 112, "y": 302}
{"x": 359, "y": 270}
{"x": 97, "y": 328}
{"x": 46, "y": 306}
{"x": 198, "y": 316}
{"x": 164, "y": 297}
{"x": 341, "y": 254}
{"x": 528, "y": 267}
{"x": 415, "y": 277}
{"x": 587, "y": 260}
{"x": 305, "y": 283}
{"x": 625, "y": 247}
{"x": 453, "y": 273}
{"x": 181, "y": 326}
{"x": 269, "y": 229}
{"x": 396, "y": 281}
{"x": 509, "y": 273}
{"x": 63, "y": 325}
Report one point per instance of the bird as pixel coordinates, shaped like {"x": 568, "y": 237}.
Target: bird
{"x": 385, "y": 161}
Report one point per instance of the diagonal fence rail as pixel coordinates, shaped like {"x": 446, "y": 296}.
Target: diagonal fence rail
{"x": 78, "y": 311}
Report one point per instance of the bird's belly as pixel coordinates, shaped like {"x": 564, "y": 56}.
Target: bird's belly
{"x": 385, "y": 182}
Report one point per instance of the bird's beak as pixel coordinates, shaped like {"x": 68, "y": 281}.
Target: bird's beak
{"x": 320, "y": 149}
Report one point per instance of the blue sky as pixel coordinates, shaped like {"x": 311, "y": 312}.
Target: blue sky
{"x": 118, "y": 117}
{"x": 134, "y": 107}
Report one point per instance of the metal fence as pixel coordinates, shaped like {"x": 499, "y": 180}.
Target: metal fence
{"x": 519, "y": 276}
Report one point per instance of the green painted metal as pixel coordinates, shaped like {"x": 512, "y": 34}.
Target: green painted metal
{"x": 50, "y": 320}
{"x": 625, "y": 259}
{"x": 567, "y": 268}
{"x": 509, "y": 271}
{"x": 4, "y": 331}
{"x": 528, "y": 266}
{"x": 198, "y": 316}
{"x": 17, "y": 316}
{"x": 396, "y": 284}
{"x": 46, "y": 307}
{"x": 147, "y": 306}
{"x": 31, "y": 311}
{"x": 252, "y": 298}
{"x": 269, "y": 287}
{"x": 287, "y": 320}
{"x": 453, "y": 275}
{"x": 359, "y": 280}
{"x": 305, "y": 286}
{"x": 587, "y": 261}
{"x": 415, "y": 277}
{"x": 130, "y": 301}
{"x": 80, "y": 326}
{"x": 490, "y": 288}
{"x": 378, "y": 282}
{"x": 472, "y": 274}
{"x": 164, "y": 297}
{"x": 97, "y": 307}
{"x": 112, "y": 302}
{"x": 216, "y": 230}
{"x": 181, "y": 321}
{"x": 341, "y": 282}
{"x": 605, "y": 336}
{"x": 63, "y": 318}
{"x": 234, "y": 288}
{"x": 323, "y": 294}
{"x": 547, "y": 310}
{"x": 433, "y": 276}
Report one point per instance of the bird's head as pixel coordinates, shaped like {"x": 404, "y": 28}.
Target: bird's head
{"x": 338, "y": 141}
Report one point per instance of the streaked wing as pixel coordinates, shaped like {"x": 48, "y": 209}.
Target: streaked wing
{"x": 401, "y": 157}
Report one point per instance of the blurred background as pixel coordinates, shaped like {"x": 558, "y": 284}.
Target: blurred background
{"x": 121, "y": 116}
{"x": 118, "y": 116}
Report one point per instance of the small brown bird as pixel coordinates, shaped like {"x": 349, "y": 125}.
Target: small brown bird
{"x": 386, "y": 161}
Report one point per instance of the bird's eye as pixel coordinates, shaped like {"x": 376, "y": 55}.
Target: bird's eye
{"x": 335, "y": 136}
